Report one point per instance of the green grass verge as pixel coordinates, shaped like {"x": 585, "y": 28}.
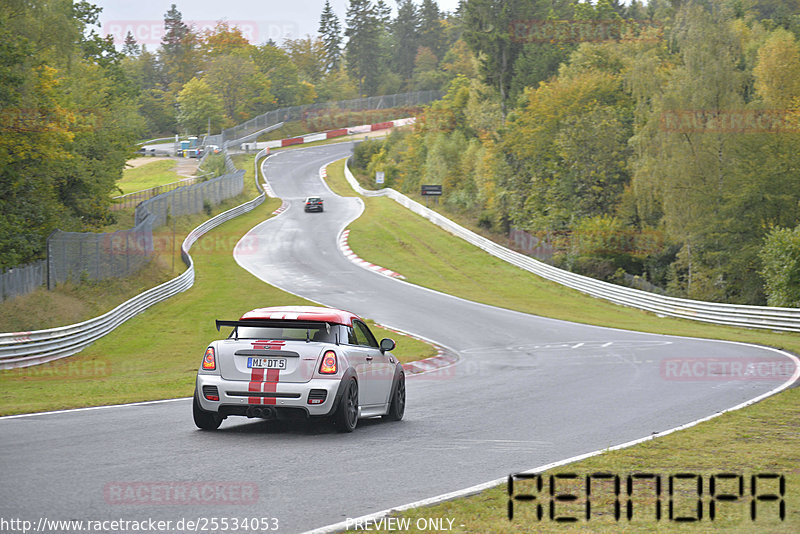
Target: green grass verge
{"x": 149, "y": 175}
{"x": 759, "y": 439}
{"x": 156, "y": 354}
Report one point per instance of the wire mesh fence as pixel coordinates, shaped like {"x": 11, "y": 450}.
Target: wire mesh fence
{"x": 191, "y": 198}
{"x": 81, "y": 256}
{"x": 295, "y": 113}
{"x": 22, "y": 280}
{"x": 130, "y": 200}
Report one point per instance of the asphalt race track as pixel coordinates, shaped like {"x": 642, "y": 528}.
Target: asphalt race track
{"x": 527, "y": 391}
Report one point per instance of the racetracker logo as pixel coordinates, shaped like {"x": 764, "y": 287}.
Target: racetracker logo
{"x": 181, "y": 493}
{"x": 729, "y": 121}
{"x": 62, "y": 370}
{"x": 150, "y": 32}
{"x": 141, "y": 243}
{"x": 578, "y": 31}
{"x": 724, "y": 369}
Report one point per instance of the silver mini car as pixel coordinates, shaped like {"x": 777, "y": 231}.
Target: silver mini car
{"x": 299, "y": 362}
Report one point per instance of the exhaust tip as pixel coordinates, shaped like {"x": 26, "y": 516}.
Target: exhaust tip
{"x": 266, "y": 412}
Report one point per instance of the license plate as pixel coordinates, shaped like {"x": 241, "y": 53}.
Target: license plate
{"x": 265, "y": 363}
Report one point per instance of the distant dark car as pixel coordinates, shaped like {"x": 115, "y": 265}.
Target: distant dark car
{"x": 314, "y": 204}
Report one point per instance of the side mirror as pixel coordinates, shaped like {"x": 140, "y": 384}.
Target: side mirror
{"x": 387, "y": 344}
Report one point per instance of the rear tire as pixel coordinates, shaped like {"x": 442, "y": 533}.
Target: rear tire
{"x": 398, "y": 405}
{"x": 203, "y": 419}
{"x": 346, "y": 416}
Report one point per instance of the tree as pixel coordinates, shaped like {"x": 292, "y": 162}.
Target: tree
{"x": 242, "y": 91}
{"x": 175, "y": 32}
{"x": 486, "y": 31}
{"x": 777, "y": 71}
{"x": 383, "y": 13}
{"x": 780, "y": 257}
{"x": 131, "y": 47}
{"x": 178, "y": 49}
{"x": 336, "y": 85}
{"x": 309, "y": 56}
{"x": 199, "y": 108}
{"x": 431, "y": 31}
{"x": 405, "y": 37}
{"x": 275, "y": 64}
{"x": 225, "y": 40}
{"x": 363, "y": 49}
{"x": 331, "y": 31}
{"x": 427, "y": 76}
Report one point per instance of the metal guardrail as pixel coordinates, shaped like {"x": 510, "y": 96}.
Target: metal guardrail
{"x": 765, "y": 317}
{"x": 241, "y": 131}
{"x": 23, "y": 349}
{"x": 156, "y": 140}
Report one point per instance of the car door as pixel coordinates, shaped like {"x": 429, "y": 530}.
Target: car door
{"x": 376, "y": 376}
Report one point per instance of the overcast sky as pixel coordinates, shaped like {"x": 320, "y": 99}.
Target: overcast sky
{"x": 260, "y": 20}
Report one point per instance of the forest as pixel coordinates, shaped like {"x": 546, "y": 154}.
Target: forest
{"x": 656, "y": 139}
{"x": 660, "y": 141}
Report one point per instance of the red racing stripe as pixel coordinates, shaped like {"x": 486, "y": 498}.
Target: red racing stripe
{"x": 256, "y": 378}
{"x": 271, "y": 384}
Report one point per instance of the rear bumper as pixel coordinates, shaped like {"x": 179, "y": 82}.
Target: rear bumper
{"x": 313, "y": 208}
{"x": 287, "y": 401}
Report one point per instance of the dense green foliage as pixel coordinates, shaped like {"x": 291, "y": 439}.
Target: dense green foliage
{"x": 67, "y": 124}
{"x": 667, "y": 149}
{"x": 781, "y": 258}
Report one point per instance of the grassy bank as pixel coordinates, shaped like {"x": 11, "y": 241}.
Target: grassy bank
{"x": 764, "y": 438}
{"x": 151, "y": 174}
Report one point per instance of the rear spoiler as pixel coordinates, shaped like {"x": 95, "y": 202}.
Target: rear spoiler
{"x": 270, "y": 323}
{"x": 273, "y": 323}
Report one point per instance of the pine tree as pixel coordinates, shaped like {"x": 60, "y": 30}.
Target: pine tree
{"x": 178, "y": 49}
{"x": 405, "y": 33}
{"x": 131, "y": 47}
{"x": 175, "y": 31}
{"x": 364, "y": 45}
{"x": 331, "y": 31}
{"x": 431, "y": 30}
{"x": 383, "y": 12}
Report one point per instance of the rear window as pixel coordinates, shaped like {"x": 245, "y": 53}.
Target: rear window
{"x": 314, "y": 199}
{"x": 321, "y": 332}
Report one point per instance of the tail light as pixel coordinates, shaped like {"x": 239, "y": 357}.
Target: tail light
{"x": 211, "y": 393}
{"x": 209, "y": 360}
{"x": 328, "y": 365}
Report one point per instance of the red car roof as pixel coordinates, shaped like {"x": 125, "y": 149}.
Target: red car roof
{"x": 303, "y": 313}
